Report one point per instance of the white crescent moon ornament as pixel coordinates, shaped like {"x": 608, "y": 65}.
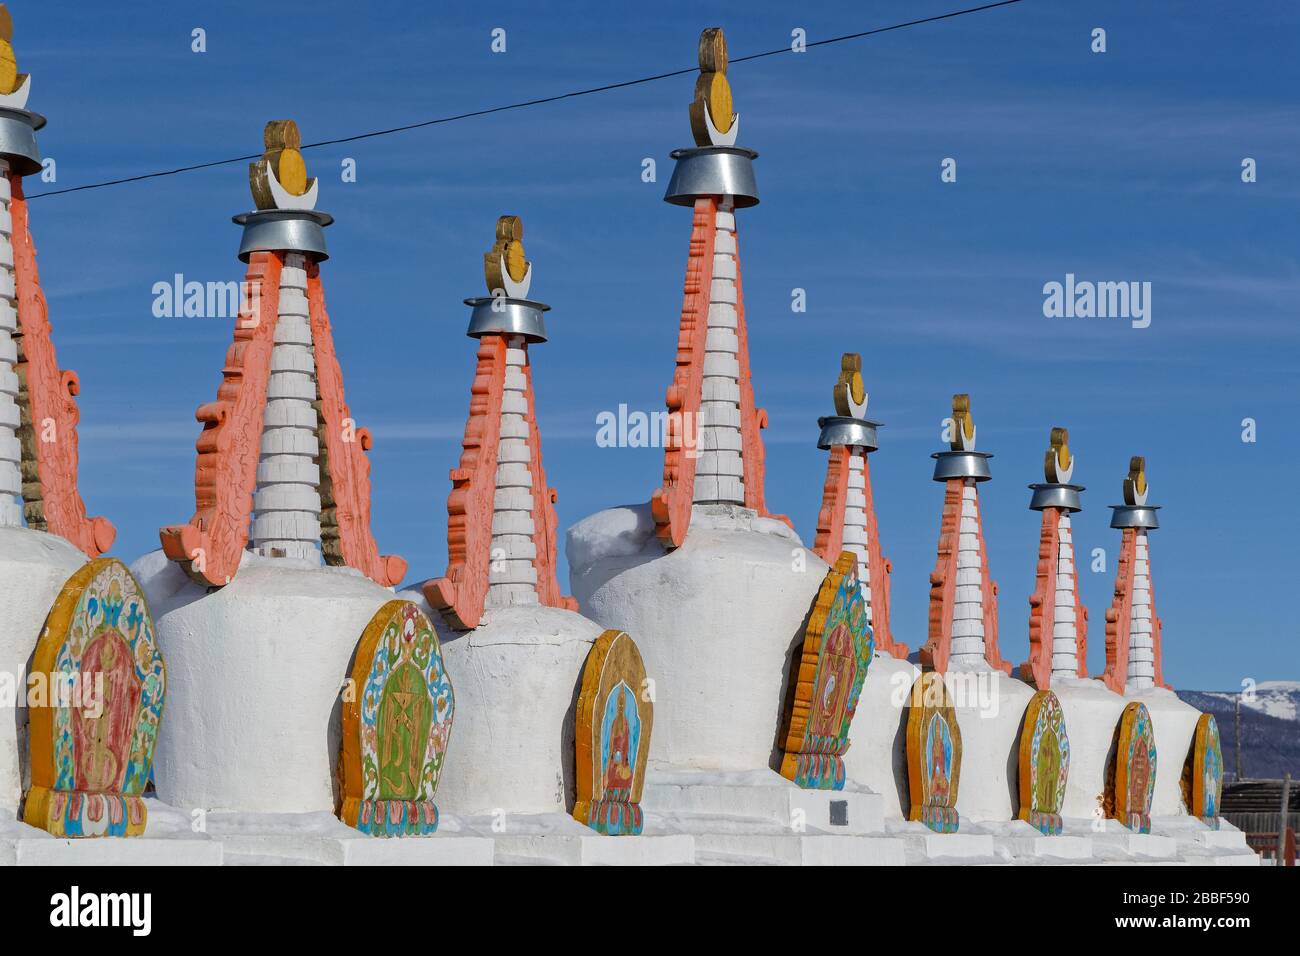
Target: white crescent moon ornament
{"x": 513, "y": 289}
{"x": 722, "y": 139}
{"x": 967, "y": 444}
{"x": 856, "y": 410}
{"x": 287, "y": 200}
{"x": 1140, "y": 497}
{"x": 1063, "y": 475}
{"x": 17, "y": 100}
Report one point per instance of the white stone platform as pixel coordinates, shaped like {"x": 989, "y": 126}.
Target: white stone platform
{"x": 1200, "y": 845}
{"x": 760, "y": 818}
{"x": 715, "y": 823}
{"x": 766, "y": 795}
{"x": 167, "y": 841}
{"x": 924, "y": 847}
{"x": 556, "y": 839}
{"x": 321, "y": 839}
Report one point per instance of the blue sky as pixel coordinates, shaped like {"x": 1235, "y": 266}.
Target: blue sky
{"x": 1116, "y": 166}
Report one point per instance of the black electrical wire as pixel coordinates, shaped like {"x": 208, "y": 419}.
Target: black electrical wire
{"x": 523, "y": 104}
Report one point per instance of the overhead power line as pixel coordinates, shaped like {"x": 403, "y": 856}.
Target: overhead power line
{"x": 523, "y": 104}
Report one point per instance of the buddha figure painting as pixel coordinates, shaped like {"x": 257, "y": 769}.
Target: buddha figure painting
{"x": 92, "y": 740}
{"x": 620, "y": 736}
{"x": 933, "y": 755}
{"x": 1135, "y": 768}
{"x": 1044, "y": 764}
{"x": 938, "y": 748}
{"x": 612, "y": 736}
{"x": 826, "y": 681}
{"x": 1203, "y": 774}
{"x": 396, "y": 725}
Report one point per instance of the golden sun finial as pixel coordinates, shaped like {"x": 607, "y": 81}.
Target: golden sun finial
{"x": 963, "y": 424}
{"x": 505, "y": 266}
{"x": 1058, "y": 466}
{"x": 279, "y": 179}
{"x": 1135, "y": 485}
{"x": 850, "y": 390}
{"x": 11, "y": 81}
{"x": 711, "y": 112}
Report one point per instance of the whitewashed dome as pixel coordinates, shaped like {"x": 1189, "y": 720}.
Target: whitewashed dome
{"x": 516, "y": 679}
{"x": 715, "y": 619}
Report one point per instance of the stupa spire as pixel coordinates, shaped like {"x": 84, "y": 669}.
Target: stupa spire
{"x": 713, "y": 452}
{"x": 279, "y": 449}
{"x": 847, "y": 520}
{"x": 963, "y": 596}
{"x": 501, "y": 524}
{"x": 1058, "y": 620}
{"x": 1133, "y": 629}
{"x": 38, "y": 405}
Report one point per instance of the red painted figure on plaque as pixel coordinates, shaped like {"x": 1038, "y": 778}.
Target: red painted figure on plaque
{"x": 618, "y": 776}
{"x": 938, "y": 762}
{"x": 838, "y": 669}
{"x": 1138, "y": 772}
{"x": 102, "y": 727}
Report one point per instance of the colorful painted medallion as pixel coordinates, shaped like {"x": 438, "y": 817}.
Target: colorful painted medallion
{"x": 612, "y": 736}
{"x": 933, "y": 754}
{"x": 396, "y": 725}
{"x": 1203, "y": 772}
{"x": 1044, "y": 763}
{"x": 1135, "y": 768}
{"x": 92, "y": 737}
{"x": 827, "y": 681}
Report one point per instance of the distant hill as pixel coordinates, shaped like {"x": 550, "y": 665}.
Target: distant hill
{"x": 1270, "y": 727}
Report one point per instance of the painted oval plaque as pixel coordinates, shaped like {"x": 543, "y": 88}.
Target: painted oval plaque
{"x": 933, "y": 754}
{"x": 615, "y": 716}
{"x": 1203, "y": 774}
{"x": 396, "y": 725}
{"x": 1044, "y": 763}
{"x": 827, "y": 680}
{"x": 93, "y": 733}
{"x": 1135, "y": 768}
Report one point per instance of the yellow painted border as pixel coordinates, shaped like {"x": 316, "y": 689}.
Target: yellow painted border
{"x": 1200, "y": 744}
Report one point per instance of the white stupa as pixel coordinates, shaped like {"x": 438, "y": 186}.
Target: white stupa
{"x": 261, "y": 598}
{"x": 715, "y": 588}
{"x": 513, "y": 644}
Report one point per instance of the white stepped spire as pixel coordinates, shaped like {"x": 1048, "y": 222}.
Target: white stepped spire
{"x": 286, "y": 502}
{"x": 1065, "y": 629}
{"x": 855, "y": 534}
{"x": 719, "y": 468}
{"x": 968, "y": 606}
{"x": 11, "y": 457}
{"x": 512, "y": 578}
{"x": 1141, "y": 648}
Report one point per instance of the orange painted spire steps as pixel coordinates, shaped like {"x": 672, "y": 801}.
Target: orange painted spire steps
{"x": 38, "y": 400}
{"x": 847, "y": 520}
{"x": 501, "y": 524}
{"x": 282, "y": 467}
{"x": 1134, "y": 660}
{"x": 713, "y": 452}
{"x": 963, "y": 627}
{"x": 1058, "y": 620}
